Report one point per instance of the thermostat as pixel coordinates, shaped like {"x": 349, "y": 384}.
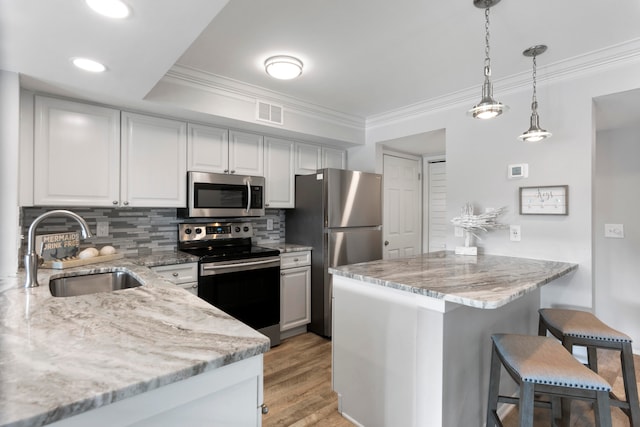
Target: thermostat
{"x": 519, "y": 171}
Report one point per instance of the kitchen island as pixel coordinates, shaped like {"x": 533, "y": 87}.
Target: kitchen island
{"x": 153, "y": 355}
{"x": 411, "y": 336}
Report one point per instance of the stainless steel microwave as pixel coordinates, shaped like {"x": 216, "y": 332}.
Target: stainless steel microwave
{"x": 224, "y": 195}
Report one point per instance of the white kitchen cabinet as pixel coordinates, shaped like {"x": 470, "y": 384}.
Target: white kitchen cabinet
{"x": 334, "y": 158}
{"x": 184, "y": 275}
{"x": 278, "y": 173}
{"x": 76, "y": 154}
{"x": 212, "y": 149}
{"x": 153, "y": 161}
{"x": 309, "y": 158}
{"x": 295, "y": 293}
{"x": 231, "y": 395}
{"x": 207, "y": 149}
{"x": 246, "y": 153}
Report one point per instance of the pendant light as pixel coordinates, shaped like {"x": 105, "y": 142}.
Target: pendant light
{"x": 535, "y": 133}
{"x": 488, "y": 107}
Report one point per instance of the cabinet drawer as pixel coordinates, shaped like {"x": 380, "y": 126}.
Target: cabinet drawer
{"x": 178, "y": 273}
{"x": 295, "y": 259}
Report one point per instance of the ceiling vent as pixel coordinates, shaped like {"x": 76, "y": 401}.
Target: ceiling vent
{"x": 269, "y": 113}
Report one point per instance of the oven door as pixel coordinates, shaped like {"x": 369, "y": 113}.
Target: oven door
{"x": 223, "y": 195}
{"x": 248, "y": 290}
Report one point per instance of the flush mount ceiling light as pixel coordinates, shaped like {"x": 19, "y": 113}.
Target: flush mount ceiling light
{"x": 535, "y": 133}
{"x": 488, "y": 107}
{"x": 88, "y": 65}
{"x": 283, "y": 67}
{"x": 109, "y": 8}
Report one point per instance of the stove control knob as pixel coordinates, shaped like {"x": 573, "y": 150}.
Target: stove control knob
{"x": 198, "y": 230}
{"x": 245, "y": 229}
{"x": 237, "y": 229}
{"x": 187, "y": 231}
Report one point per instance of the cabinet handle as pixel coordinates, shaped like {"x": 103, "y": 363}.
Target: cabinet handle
{"x": 175, "y": 274}
{"x": 115, "y": 202}
{"x": 233, "y": 171}
{"x": 386, "y": 243}
{"x": 282, "y": 273}
{"x": 296, "y": 259}
{"x": 195, "y": 286}
{"x": 226, "y": 171}
{"x": 264, "y": 409}
{"x": 126, "y": 203}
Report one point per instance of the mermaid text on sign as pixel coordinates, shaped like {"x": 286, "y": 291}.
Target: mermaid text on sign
{"x": 58, "y": 246}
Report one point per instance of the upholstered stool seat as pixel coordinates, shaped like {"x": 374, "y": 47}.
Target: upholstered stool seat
{"x": 540, "y": 365}
{"x": 581, "y": 328}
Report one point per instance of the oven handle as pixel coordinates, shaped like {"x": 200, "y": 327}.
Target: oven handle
{"x": 208, "y": 270}
{"x": 248, "y": 196}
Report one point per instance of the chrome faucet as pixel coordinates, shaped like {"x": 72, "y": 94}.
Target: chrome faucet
{"x": 31, "y": 258}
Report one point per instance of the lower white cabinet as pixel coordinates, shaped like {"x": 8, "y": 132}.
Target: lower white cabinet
{"x": 231, "y": 395}
{"x": 295, "y": 293}
{"x": 183, "y": 275}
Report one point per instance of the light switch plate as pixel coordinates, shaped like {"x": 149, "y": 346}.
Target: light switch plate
{"x": 614, "y": 231}
{"x": 514, "y": 233}
{"x": 269, "y": 224}
{"x": 102, "y": 228}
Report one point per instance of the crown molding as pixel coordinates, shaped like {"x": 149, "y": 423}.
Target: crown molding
{"x": 595, "y": 61}
{"x": 224, "y": 86}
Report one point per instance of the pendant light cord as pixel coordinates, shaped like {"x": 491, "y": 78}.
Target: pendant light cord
{"x": 487, "y": 57}
{"x": 534, "y": 99}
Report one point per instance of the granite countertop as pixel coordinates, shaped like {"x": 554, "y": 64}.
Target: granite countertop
{"x": 482, "y": 281}
{"x": 63, "y": 356}
{"x": 286, "y": 247}
{"x": 163, "y": 258}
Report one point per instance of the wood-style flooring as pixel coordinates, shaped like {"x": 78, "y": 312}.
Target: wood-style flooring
{"x": 297, "y": 387}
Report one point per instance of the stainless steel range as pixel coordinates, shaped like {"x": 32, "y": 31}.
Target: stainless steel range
{"x": 237, "y": 277}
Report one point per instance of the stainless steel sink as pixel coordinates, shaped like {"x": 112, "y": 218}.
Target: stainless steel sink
{"x": 92, "y": 283}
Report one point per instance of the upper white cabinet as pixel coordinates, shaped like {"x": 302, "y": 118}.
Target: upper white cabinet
{"x": 279, "y": 177}
{"x": 246, "y": 153}
{"x": 218, "y": 150}
{"x": 76, "y": 154}
{"x": 153, "y": 162}
{"x": 208, "y": 149}
{"x": 334, "y": 158}
{"x": 309, "y": 158}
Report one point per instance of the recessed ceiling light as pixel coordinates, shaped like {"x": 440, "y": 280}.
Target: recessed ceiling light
{"x": 88, "y": 65}
{"x": 110, "y": 8}
{"x": 283, "y": 67}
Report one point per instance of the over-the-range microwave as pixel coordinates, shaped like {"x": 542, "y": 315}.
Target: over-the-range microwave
{"x": 213, "y": 195}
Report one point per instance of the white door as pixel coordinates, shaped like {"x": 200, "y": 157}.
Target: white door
{"x": 437, "y": 210}
{"x": 402, "y": 201}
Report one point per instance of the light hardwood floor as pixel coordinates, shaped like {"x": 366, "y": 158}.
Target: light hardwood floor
{"x": 297, "y": 387}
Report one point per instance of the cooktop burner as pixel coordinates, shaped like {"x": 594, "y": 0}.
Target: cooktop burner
{"x": 218, "y": 241}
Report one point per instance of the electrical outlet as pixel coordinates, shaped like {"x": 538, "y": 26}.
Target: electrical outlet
{"x": 615, "y": 231}
{"x": 514, "y": 233}
{"x": 102, "y": 228}
{"x": 269, "y": 224}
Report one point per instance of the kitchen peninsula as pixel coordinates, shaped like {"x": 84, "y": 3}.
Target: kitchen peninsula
{"x": 411, "y": 336}
{"x": 154, "y": 355}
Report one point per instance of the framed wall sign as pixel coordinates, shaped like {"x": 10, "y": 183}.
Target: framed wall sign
{"x": 547, "y": 200}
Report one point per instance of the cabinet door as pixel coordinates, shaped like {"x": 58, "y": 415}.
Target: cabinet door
{"x": 246, "y": 153}
{"x": 295, "y": 297}
{"x": 154, "y": 161}
{"x": 208, "y": 149}
{"x": 279, "y": 177}
{"x": 308, "y": 158}
{"x": 334, "y": 158}
{"x": 76, "y": 154}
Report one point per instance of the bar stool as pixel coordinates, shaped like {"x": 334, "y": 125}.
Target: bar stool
{"x": 581, "y": 328}
{"x": 540, "y": 365}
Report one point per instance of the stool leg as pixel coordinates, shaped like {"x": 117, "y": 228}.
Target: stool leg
{"x": 602, "y": 410}
{"x": 526, "y": 404}
{"x": 494, "y": 388}
{"x": 630, "y": 384}
{"x": 592, "y": 358}
{"x": 542, "y": 328}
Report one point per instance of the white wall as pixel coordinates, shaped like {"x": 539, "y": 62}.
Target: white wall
{"x": 617, "y": 201}
{"x": 478, "y": 153}
{"x": 9, "y": 136}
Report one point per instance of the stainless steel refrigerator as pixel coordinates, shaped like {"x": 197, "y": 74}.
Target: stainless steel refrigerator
{"x": 338, "y": 213}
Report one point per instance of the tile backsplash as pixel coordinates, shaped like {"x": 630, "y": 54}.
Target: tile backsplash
{"x": 139, "y": 231}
